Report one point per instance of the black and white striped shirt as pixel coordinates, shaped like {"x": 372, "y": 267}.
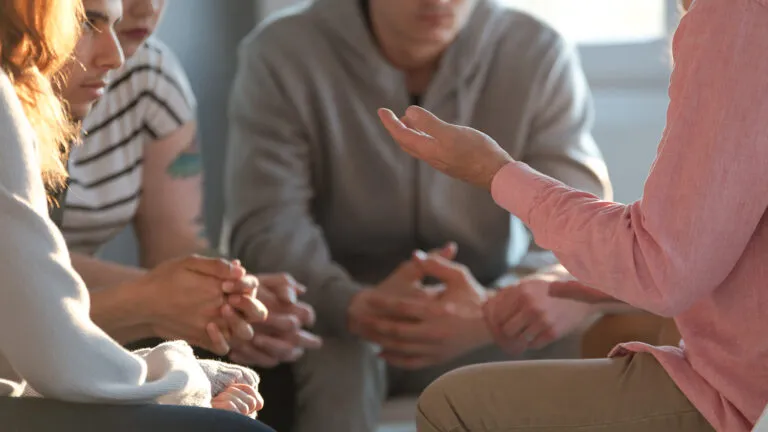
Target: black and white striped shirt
{"x": 147, "y": 99}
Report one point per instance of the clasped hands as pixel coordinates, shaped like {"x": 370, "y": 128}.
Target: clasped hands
{"x": 418, "y": 326}
{"x": 216, "y": 305}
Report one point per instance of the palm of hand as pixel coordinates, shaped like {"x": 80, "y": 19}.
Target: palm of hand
{"x": 470, "y": 155}
{"x": 460, "y": 152}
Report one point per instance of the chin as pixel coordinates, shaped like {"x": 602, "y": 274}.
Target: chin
{"x": 438, "y": 37}
{"x": 79, "y": 111}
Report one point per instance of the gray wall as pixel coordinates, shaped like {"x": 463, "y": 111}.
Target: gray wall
{"x": 204, "y": 34}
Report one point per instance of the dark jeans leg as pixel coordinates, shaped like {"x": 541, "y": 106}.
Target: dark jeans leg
{"x": 43, "y": 415}
{"x": 278, "y": 388}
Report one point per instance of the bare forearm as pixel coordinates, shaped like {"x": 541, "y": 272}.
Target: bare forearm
{"x": 99, "y": 274}
{"x": 158, "y": 247}
{"x": 120, "y": 311}
{"x": 115, "y": 302}
{"x": 169, "y": 221}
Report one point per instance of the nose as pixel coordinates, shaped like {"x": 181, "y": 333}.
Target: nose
{"x": 109, "y": 53}
{"x": 145, "y": 8}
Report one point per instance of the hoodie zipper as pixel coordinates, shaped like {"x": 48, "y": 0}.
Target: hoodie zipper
{"x": 416, "y": 100}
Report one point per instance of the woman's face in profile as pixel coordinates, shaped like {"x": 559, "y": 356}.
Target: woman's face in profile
{"x": 140, "y": 18}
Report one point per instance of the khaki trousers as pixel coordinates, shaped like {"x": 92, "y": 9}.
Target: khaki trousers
{"x": 342, "y": 386}
{"x": 628, "y": 394}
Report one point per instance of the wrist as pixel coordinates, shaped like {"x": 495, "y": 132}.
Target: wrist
{"x": 481, "y": 332}
{"x": 148, "y": 313}
{"x": 123, "y": 313}
{"x": 500, "y": 160}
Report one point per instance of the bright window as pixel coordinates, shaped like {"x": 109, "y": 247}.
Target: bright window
{"x": 601, "y": 22}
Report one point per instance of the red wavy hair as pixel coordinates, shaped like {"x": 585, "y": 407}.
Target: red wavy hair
{"x": 37, "y": 37}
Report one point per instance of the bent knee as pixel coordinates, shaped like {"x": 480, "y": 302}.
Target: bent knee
{"x": 443, "y": 406}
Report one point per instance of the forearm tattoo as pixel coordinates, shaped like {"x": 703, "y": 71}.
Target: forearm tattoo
{"x": 189, "y": 163}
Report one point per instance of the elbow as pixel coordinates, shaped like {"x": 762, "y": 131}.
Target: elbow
{"x": 675, "y": 295}
{"x": 669, "y": 308}
{"x": 106, "y": 379}
{"x": 63, "y": 389}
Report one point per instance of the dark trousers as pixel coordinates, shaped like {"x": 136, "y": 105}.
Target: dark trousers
{"x": 278, "y": 388}
{"x": 43, "y": 415}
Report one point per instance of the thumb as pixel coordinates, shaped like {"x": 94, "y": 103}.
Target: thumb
{"x": 420, "y": 119}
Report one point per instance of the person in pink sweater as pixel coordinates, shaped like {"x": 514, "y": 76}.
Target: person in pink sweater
{"x": 693, "y": 248}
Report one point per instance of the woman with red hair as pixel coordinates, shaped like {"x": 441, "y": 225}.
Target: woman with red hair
{"x": 49, "y": 347}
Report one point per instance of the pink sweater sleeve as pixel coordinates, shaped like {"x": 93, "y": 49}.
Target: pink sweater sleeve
{"x": 707, "y": 189}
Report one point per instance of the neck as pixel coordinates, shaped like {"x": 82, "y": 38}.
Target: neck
{"x": 417, "y": 61}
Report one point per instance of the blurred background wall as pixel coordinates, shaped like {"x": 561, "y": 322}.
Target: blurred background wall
{"x": 627, "y": 68}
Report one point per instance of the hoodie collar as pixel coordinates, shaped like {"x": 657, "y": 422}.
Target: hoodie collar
{"x": 346, "y": 24}
{"x": 346, "y": 21}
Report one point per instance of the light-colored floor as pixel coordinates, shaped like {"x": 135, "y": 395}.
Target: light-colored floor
{"x": 404, "y": 427}
{"x": 397, "y": 415}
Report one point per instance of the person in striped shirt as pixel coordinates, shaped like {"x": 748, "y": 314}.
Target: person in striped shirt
{"x": 140, "y": 165}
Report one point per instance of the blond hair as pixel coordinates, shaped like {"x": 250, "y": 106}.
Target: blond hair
{"x": 37, "y": 37}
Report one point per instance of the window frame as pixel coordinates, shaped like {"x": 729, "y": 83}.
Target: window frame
{"x": 639, "y": 64}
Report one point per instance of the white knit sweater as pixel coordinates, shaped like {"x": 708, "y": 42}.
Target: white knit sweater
{"x": 46, "y": 335}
